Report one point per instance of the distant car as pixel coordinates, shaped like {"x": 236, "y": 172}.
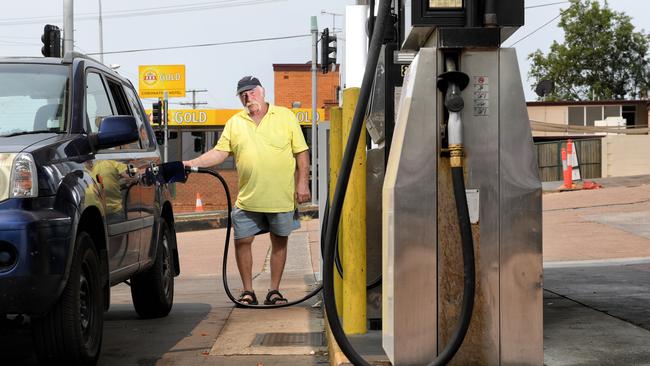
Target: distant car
{"x": 81, "y": 205}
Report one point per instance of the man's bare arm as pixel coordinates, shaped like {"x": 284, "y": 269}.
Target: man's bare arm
{"x": 209, "y": 159}
{"x": 302, "y": 177}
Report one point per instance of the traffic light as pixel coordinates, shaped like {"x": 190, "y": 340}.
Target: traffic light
{"x": 156, "y": 113}
{"x": 327, "y": 50}
{"x": 51, "y": 39}
{"x": 198, "y": 141}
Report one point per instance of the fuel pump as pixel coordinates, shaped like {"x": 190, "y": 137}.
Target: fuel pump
{"x": 461, "y": 198}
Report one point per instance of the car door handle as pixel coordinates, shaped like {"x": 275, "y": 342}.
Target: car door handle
{"x": 155, "y": 169}
{"x": 132, "y": 170}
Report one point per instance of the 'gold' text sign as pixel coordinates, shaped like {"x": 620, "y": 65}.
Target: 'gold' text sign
{"x": 156, "y": 79}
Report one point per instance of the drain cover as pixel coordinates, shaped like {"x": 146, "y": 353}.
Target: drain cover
{"x": 314, "y": 339}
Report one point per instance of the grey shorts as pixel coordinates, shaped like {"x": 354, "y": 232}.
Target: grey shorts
{"x": 249, "y": 223}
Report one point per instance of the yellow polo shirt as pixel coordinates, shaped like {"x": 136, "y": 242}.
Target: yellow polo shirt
{"x": 264, "y": 156}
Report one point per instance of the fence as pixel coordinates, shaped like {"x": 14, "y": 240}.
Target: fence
{"x": 549, "y": 158}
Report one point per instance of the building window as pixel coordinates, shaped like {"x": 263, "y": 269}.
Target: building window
{"x": 593, "y": 113}
{"x": 577, "y": 116}
{"x": 588, "y": 115}
{"x": 612, "y": 111}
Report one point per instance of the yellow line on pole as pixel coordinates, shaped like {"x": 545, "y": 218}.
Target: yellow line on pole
{"x": 336, "y": 152}
{"x": 353, "y": 243}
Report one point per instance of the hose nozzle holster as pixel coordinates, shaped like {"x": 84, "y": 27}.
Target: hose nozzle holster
{"x": 452, "y": 83}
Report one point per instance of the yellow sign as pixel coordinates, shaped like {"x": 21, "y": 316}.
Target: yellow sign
{"x": 304, "y": 115}
{"x": 156, "y": 79}
{"x": 219, "y": 117}
{"x": 198, "y": 117}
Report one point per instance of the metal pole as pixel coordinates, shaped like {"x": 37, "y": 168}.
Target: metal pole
{"x": 194, "y": 103}
{"x": 101, "y": 34}
{"x": 336, "y": 155}
{"x": 68, "y": 26}
{"x": 353, "y": 237}
{"x": 165, "y": 121}
{"x": 314, "y": 132}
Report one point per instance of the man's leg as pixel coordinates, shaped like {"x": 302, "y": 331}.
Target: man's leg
{"x": 244, "y": 257}
{"x": 278, "y": 259}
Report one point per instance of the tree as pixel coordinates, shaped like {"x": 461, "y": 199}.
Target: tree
{"x": 602, "y": 57}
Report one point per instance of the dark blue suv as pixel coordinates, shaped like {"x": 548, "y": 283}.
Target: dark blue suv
{"x": 82, "y": 207}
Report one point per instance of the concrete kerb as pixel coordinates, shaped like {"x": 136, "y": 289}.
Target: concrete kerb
{"x": 209, "y": 220}
{"x": 607, "y": 182}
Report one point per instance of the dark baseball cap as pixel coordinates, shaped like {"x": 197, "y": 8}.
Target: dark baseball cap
{"x": 247, "y": 83}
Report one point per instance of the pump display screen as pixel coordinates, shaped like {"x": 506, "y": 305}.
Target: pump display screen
{"x": 445, "y": 4}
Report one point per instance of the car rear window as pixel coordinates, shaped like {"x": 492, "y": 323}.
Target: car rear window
{"x": 33, "y": 98}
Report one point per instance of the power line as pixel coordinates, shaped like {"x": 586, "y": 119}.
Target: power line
{"x": 17, "y": 37}
{"x": 16, "y": 43}
{"x": 536, "y": 30}
{"x": 194, "y": 103}
{"x": 202, "y": 45}
{"x": 142, "y": 11}
{"x": 544, "y": 5}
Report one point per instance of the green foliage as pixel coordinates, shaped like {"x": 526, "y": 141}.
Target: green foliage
{"x": 602, "y": 57}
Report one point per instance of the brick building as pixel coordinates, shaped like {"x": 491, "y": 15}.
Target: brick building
{"x": 292, "y": 84}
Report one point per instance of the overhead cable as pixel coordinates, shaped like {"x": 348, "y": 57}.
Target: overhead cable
{"x": 159, "y": 10}
{"x": 201, "y": 45}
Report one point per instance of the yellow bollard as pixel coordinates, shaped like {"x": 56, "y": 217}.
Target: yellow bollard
{"x": 336, "y": 151}
{"x": 353, "y": 243}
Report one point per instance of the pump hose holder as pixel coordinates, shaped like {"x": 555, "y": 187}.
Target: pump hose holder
{"x": 452, "y": 83}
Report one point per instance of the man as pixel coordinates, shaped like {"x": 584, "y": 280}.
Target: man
{"x": 267, "y": 144}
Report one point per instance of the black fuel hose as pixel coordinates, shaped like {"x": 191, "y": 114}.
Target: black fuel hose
{"x": 337, "y": 257}
{"x": 467, "y": 306}
{"x": 337, "y": 205}
{"x": 224, "y": 276}
{"x": 331, "y": 232}
{"x": 226, "y": 287}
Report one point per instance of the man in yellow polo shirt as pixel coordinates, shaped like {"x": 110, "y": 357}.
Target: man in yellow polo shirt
{"x": 268, "y": 145}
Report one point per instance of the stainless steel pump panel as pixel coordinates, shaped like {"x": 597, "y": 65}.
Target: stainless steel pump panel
{"x": 422, "y": 276}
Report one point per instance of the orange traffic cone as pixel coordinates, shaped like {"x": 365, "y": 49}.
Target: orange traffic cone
{"x": 566, "y": 170}
{"x": 199, "y": 203}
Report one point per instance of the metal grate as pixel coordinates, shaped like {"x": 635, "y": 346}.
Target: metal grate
{"x": 315, "y": 339}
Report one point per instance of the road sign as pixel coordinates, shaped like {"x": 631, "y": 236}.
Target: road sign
{"x": 219, "y": 117}
{"x": 156, "y": 79}
{"x": 198, "y": 117}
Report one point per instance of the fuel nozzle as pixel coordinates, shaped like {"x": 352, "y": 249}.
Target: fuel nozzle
{"x": 452, "y": 83}
{"x": 173, "y": 172}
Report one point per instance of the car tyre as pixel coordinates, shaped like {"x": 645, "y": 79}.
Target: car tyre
{"x": 152, "y": 291}
{"x": 71, "y": 333}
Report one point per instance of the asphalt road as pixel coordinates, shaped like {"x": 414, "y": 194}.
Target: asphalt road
{"x": 186, "y": 335}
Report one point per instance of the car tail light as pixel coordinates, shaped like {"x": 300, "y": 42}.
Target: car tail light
{"x": 24, "y": 180}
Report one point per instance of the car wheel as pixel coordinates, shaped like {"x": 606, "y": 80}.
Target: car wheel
{"x": 71, "y": 333}
{"x": 153, "y": 291}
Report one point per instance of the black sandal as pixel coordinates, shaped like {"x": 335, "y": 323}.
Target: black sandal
{"x": 273, "y": 297}
{"x": 247, "y": 298}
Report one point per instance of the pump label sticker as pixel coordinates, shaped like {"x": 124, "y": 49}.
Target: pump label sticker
{"x": 480, "y": 95}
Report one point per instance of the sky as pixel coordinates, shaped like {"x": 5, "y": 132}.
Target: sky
{"x": 140, "y": 24}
